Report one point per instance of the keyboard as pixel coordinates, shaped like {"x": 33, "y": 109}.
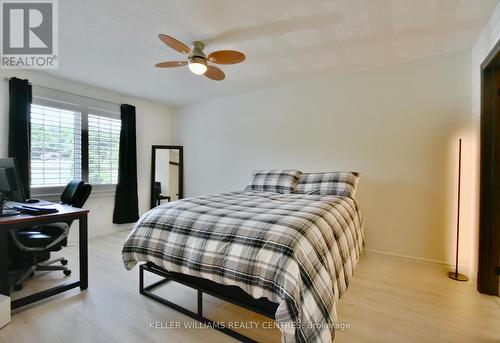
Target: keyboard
{"x": 35, "y": 210}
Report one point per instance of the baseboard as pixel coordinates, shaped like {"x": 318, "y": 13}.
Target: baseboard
{"x": 415, "y": 258}
{"x": 471, "y": 275}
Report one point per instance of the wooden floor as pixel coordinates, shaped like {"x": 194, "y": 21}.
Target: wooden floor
{"x": 389, "y": 300}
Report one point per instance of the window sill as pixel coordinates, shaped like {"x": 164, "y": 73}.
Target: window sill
{"x": 98, "y": 191}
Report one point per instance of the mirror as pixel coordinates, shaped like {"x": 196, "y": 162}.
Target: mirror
{"x": 166, "y": 174}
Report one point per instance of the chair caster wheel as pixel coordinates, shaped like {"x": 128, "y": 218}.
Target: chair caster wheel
{"x": 67, "y": 272}
{"x": 18, "y": 287}
{"x": 64, "y": 262}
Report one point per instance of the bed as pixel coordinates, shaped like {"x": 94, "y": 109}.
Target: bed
{"x": 297, "y": 251}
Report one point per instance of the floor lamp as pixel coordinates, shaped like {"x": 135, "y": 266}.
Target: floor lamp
{"x": 456, "y": 275}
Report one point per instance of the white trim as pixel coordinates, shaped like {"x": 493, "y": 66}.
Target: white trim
{"x": 46, "y": 191}
{"x": 421, "y": 259}
{"x": 75, "y": 102}
{"x": 54, "y": 193}
{"x": 103, "y": 193}
{"x": 45, "y": 102}
{"x": 407, "y": 256}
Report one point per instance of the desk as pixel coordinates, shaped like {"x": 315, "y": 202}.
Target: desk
{"x": 66, "y": 213}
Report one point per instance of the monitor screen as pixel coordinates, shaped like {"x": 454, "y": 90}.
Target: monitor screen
{"x": 10, "y": 182}
{"x": 7, "y": 180}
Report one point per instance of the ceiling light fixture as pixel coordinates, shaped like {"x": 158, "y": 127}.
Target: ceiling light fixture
{"x": 197, "y": 65}
{"x": 197, "y": 61}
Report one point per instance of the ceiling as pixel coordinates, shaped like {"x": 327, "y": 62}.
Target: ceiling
{"x": 114, "y": 43}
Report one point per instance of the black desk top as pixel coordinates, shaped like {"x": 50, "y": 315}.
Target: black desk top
{"x": 65, "y": 213}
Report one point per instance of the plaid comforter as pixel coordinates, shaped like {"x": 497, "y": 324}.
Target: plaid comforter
{"x": 297, "y": 250}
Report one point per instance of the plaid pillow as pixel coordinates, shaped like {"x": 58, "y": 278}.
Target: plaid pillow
{"x": 277, "y": 181}
{"x": 332, "y": 183}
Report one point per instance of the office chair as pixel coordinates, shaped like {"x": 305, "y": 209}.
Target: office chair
{"x": 34, "y": 245}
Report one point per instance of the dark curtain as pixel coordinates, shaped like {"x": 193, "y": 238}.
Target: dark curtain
{"x": 126, "y": 201}
{"x": 19, "y": 128}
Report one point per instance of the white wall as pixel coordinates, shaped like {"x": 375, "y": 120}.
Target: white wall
{"x": 396, "y": 125}
{"x": 489, "y": 36}
{"x": 153, "y": 123}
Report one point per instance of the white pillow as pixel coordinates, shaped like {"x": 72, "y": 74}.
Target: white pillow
{"x": 277, "y": 181}
{"x": 330, "y": 183}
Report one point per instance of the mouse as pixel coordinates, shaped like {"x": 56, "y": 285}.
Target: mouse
{"x": 32, "y": 201}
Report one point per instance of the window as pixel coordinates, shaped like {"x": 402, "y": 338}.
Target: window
{"x": 104, "y": 142}
{"x": 72, "y": 138}
{"x": 56, "y": 146}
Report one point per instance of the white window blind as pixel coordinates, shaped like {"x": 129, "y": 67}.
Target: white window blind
{"x": 56, "y": 152}
{"x": 104, "y": 142}
{"x": 60, "y": 151}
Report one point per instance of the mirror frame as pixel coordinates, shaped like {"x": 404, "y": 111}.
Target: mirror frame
{"x": 153, "y": 168}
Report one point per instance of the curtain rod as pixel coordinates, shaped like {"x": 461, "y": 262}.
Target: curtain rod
{"x": 69, "y": 93}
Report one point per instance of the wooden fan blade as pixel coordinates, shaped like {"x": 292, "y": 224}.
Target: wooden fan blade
{"x": 174, "y": 44}
{"x": 171, "y": 64}
{"x": 214, "y": 73}
{"x": 226, "y": 57}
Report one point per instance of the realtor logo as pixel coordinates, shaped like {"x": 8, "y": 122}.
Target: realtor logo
{"x": 29, "y": 34}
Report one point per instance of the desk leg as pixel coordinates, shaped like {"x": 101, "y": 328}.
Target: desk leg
{"x": 83, "y": 228}
{"x": 4, "y": 262}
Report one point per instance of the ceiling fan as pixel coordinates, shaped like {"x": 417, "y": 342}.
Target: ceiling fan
{"x": 197, "y": 61}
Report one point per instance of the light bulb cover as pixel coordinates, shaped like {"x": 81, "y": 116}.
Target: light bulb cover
{"x": 197, "y": 65}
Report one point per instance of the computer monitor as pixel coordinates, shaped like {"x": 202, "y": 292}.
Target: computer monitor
{"x": 10, "y": 181}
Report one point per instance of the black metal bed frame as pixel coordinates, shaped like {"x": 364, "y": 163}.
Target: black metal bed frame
{"x": 231, "y": 294}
